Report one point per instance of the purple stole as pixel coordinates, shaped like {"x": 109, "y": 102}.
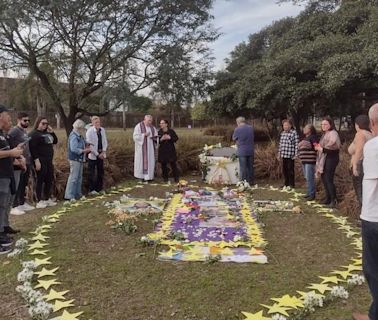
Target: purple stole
{"x": 145, "y": 147}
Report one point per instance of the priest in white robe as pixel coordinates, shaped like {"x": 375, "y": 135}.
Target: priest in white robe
{"x": 145, "y": 138}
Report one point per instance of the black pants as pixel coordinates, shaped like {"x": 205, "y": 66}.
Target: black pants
{"x": 328, "y": 175}
{"x": 45, "y": 178}
{"x": 95, "y": 183}
{"x": 357, "y": 182}
{"x": 288, "y": 172}
{"x": 19, "y": 200}
{"x": 164, "y": 168}
{"x": 370, "y": 262}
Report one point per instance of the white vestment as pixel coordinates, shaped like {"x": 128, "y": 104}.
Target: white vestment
{"x": 139, "y": 140}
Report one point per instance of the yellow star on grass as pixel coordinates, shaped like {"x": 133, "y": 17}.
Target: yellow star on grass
{"x": 255, "y": 316}
{"x": 40, "y": 262}
{"x": 62, "y": 304}
{"x": 70, "y": 316}
{"x": 46, "y": 272}
{"x": 343, "y": 274}
{"x": 39, "y": 252}
{"x": 352, "y": 268}
{"x": 333, "y": 279}
{"x": 37, "y": 245}
{"x": 303, "y": 294}
{"x": 46, "y": 283}
{"x": 276, "y": 308}
{"x": 45, "y": 226}
{"x": 40, "y": 237}
{"x": 287, "y": 301}
{"x": 55, "y": 295}
{"x": 357, "y": 262}
{"x": 321, "y": 287}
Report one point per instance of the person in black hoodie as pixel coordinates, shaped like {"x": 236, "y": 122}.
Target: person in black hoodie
{"x": 167, "y": 150}
{"x": 307, "y": 154}
{"x": 42, "y": 139}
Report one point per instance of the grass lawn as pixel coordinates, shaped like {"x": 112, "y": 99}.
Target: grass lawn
{"x": 112, "y": 276}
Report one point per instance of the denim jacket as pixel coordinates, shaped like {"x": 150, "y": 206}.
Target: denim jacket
{"x": 76, "y": 145}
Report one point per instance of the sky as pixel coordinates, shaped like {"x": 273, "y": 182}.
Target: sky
{"x": 237, "y": 19}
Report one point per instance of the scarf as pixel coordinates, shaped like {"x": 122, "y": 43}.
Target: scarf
{"x": 331, "y": 141}
{"x": 143, "y": 129}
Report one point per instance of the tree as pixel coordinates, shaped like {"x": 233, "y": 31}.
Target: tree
{"x": 89, "y": 43}
{"x": 183, "y": 76}
{"x": 324, "y": 61}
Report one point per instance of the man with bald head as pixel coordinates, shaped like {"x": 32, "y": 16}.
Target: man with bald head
{"x": 369, "y": 216}
{"x": 145, "y": 138}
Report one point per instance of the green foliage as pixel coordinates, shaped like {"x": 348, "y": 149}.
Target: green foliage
{"x": 319, "y": 62}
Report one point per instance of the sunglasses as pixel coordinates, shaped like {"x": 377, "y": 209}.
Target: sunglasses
{"x": 26, "y": 120}
{"x": 44, "y": 123}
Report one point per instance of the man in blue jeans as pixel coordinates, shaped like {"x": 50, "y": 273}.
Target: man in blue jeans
{"x": 369, "y": 216}
{"x": 244, "y": 138}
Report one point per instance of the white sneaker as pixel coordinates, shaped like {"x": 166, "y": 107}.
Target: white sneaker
{"x": 17, "y": 212}
{"x": 93, "y": 193}
{"x": 50, "y": 203}
{"x": 26, "y": 207}
{"x": 41, "y": 205}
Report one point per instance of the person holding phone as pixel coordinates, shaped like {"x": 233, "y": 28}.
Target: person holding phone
{"x": 19, "y": 135}
{"x": 167, "y": 151}
{"x": 7, "y": 181}
{"x": 41, "y": 145}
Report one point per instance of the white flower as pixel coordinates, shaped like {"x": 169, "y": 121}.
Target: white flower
{"x": 237, "y": 238}
{"x": 312, "y": 300}
{"x": 356, "y": 280}
{"x": 21, "y": 243}
{"x": 278, "y": 316}
{"x": 14, "y": 253}
{"x": 29, "y": 265}
{"x": 339, "y": 292}
{"x": 25, "y": 275}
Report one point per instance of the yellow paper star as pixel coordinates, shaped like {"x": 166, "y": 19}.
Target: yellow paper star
{"x": 276, "y": 308}
{"x": 45, "y": 226}
{"x": 333, "y": 279}
{"x": 40, "y": 262}
{"x": 55, "y": 295}
{"x": 46, "y": 272}
{"x": 39, "y": 252}
{"x": 352, "y": 268}
{"x": 46, "y": 283}
{"x": 167, "y": 254}
{"x": 62, "y": 304}
{"x": 321, "y": 287}
{"x": 70, "y": 316}
{"x": 40, "y": 237}
{"x": 343, "y": 274}
{"x": 287, "y": 301}
{"x": 303, "y": 294}
{"x": 37, "y": 245}
{"x": 357, "y": 262}
{"x": 255, "y": 316}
